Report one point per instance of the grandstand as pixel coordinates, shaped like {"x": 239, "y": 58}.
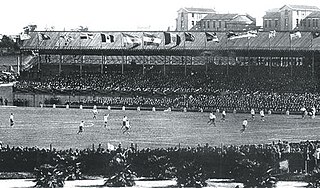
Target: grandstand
{"x": 199, "y": 51}
{"x": 104, "y": 63}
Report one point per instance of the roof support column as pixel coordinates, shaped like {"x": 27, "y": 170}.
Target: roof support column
{"x": 39, "y": 66}
{"x": 81, "y": 63}
{"x": 228, "y": 64}
{"x": 102, "y": 63}
{"x": 164, "y": 65}
{"x": 122, "y": 64}
{"x": 184, "y": 59}
{"x": 249, "y": 61}
{"x": 270, "y": 65}
{"x": 19, "y": 63}
{"x": 191, "y": 70}
{"x": 312, "y": 66}
{"x": 60, "y": 62}
{"x": 249, "y": 66}
{"x": 143, "y": 68}
{"x": 291, "y": 66}
{"x": 206, "y": 65}
{"x": 143, "y": 62}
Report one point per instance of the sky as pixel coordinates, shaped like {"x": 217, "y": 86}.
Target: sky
{"x": 120, "y": 15}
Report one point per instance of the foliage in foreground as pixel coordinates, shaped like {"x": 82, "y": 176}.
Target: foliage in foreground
{"x": 254, "y": 174}
{"x": 120, "y": 174}
{"x": 191, "y": 174}
{"x": 52, "y": 176}
{"x": 313, "y": 179}
{"x": 49, "y": 176}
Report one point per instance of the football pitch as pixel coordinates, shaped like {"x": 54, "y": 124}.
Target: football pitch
{"x": 44, "y": 126}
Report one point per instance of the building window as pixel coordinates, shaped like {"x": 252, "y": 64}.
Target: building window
{"x": 286, "y": 22}
{"x": 181, "y": 14}
{"x": 192, "y": 23}
{"x": 219, "y": 24}
{"x": 208, "y": 23}
{"x": 297, "y": 22}
{"x": 214, "y": 24}
{"x": 275, "y": 23}
{"x": 297, "y": 12}
{"x": 192, "y": 15}
{"x": 265, "y": 23}
{"x": 269, "y": 23}
{"x": 313, "y": 22}
{"x": 316, "y": 22}
{"x": 309, "y": 22}
{"x": 286, "y": 12}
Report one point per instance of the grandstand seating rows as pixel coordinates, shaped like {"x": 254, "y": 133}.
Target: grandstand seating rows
{"x": 181, "y": 86}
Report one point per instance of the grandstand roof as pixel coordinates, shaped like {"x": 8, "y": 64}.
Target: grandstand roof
{"x": 94, "y": 45}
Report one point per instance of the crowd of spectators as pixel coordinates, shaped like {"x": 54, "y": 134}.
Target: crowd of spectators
{"x": 194, "y": 90}
{"x": 218, "y": 161}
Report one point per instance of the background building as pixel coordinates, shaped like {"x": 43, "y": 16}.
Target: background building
{"x": 188, "y": 17}
{"x": 290, "y": 17}
{"x": 311, "y": 22}
{"x": 271, "y": 20}
{"x": 224, "y": 22}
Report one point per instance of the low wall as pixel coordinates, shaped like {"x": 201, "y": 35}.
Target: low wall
{"x": 6, "y": 94}
{"x": 35, "y": 100}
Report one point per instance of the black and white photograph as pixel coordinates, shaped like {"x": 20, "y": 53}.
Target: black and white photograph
{"x": 160, "y": 93}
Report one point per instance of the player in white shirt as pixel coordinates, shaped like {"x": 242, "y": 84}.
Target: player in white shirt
{"x": 244, "y": 125}
{"x": 313, "y": 112}
{"x": 224, "y": 115}
{"x": 105, "y": 119}
{"x": 124, "y": 121}
{"x": 262, "y": 115}
{"x": 81, "y": 127}
{"x": 212, "y": 119}
{"x": 126, "y": 127}
{"x": 95, "y": 113}
{"x": 11, "y": 119}
{"x": 304, "y": 112}
{"x": 252, "y": 113}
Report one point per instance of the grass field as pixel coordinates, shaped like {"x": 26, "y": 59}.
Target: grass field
{"x": 44, "y": 126}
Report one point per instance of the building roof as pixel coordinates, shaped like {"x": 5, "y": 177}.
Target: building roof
{"x": 244, "y": 19}
{"x": 273, "y": 10}
{"x": 272, "y": 15}
{"x": 199, "y": 10}
{"x": 302, "y": 7}
{"x": 314, "y": 15}
{"x": 220, "y": 16}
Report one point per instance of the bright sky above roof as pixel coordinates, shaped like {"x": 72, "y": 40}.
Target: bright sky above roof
{"x": 120, "y": 15}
